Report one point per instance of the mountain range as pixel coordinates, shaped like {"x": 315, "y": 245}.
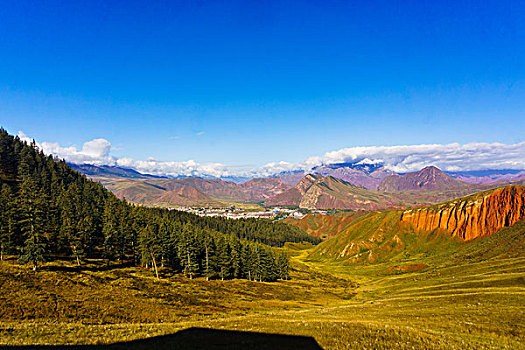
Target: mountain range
{"x": 191, "y": 191}
{"x": 340, "y": 186}
{"x": 427, "y": 186}
{"x": 327, "y": 192}
{"x": 479, "y": 176}
{"x": 370, "y": 176}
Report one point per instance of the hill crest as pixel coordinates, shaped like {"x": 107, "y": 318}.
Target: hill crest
{"x": 429, "y": 178}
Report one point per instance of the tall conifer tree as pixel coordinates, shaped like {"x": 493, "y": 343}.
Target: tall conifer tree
{"x": 32, "y": 206}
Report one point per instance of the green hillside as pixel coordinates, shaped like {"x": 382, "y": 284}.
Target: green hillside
{"x": 379, "y": 237}
{"x": 325, "y": 226}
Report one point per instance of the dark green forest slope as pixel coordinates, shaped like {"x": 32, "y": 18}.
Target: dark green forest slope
{"x": 49, "y": 211}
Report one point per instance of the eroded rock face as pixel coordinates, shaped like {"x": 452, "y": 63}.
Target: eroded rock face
{"x": 473, "y": 216}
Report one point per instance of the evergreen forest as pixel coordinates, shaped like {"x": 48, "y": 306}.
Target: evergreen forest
{"x": 48, "y": 211}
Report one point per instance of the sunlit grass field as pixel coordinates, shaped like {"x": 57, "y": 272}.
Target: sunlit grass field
{"x": 452, "y": 301}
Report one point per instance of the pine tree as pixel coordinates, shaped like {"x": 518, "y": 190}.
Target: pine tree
{"x": 150, "y": 246}
{"x": 223, "y": 257}
{"x": 8, "y": 158}
{"x": 187, "y": 251}
{"x": 109, "y": 232}
{"x": 32, "y": 208}
{"x": 283, "y": 266}
{"x": 235, "y": 258}
{"x": 84, "y": 240}
{"x": 210, "y": 264}
{"x": 69, "y": 234}
{"x": 7, "y": 220}
{"x": 249, "y": 259}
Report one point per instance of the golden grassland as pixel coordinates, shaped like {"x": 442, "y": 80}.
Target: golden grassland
{"x": 444, "y": 303}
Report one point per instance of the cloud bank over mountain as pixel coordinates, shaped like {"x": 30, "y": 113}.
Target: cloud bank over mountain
{"x": 448, "y": 157}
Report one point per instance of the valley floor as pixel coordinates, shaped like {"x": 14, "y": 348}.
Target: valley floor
{"x": 416, "y": 304}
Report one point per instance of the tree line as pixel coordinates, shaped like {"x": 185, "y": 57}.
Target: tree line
{"x": 49, "y": 211}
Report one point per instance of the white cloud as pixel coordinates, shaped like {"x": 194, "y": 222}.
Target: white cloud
{"x": 171, "y": 168}
{"x": 98, "y": 148}
{"x": 93, "y": 152}
{"x": 449, "y": 157}
{"x": 274, "y": 168}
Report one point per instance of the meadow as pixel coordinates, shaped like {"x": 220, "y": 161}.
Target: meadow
{"x": 451, "y": 301}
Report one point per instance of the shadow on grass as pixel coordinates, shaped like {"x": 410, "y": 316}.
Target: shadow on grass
{"x": 204, "y": 338}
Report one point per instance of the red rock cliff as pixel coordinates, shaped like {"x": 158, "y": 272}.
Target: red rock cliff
{"x": 474, "y": 216}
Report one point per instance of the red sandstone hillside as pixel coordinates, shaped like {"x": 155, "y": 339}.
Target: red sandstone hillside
{"x": 253, "y": 190}
{"x": 443, "y": 228}
{"x": 214, "y": 188}
{"x": 427, "y": 179}
{"x": 294, "y": 195}
{"x": 474, "y": 216}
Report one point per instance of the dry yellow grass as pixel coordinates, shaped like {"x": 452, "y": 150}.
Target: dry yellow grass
{"x": 445, "y": 306}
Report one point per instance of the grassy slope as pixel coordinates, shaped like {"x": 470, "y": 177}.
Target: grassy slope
{"x": 325, "y": 226}
{"x": 61, "y": 304}
{"x": 466, "y": 298}
{"x": 346, "y": 192}
{"x": 467, "y": 295}
{"x": 380, "y": 237}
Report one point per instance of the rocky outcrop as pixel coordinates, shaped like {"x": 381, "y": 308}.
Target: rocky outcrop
{"x": 474, "y": 216}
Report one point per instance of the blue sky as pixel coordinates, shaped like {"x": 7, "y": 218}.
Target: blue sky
{"x": 244, "y": 83}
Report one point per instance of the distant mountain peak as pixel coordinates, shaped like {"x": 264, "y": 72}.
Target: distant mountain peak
{"x": 431, "y": 168}
{"x": 429, "y": 178}
{"x": 312, "y": 176}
